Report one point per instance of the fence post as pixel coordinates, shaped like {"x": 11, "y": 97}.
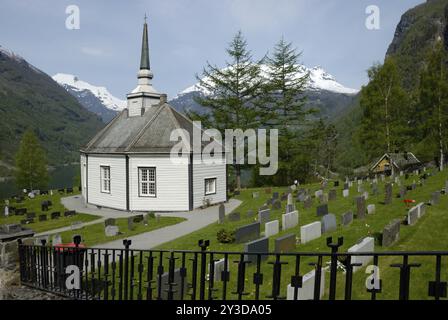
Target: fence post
{"x": 127, "y": 243}
{"x": 203, "y": 244}
{"x": 334, "y": 264}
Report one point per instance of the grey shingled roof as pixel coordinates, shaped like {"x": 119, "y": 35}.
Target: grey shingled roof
{"x": 149, "y": 133}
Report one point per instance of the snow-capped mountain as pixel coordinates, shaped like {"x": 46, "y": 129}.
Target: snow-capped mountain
{"x": 322, "y": 90}
{"x": 96, "y": 99}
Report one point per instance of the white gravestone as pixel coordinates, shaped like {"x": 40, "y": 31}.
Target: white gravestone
{"x": 218, "y": 269}
{"x": 345, "y": 193}
{"x": 271, "y": 228}
{"x": 111, "y": 231}
{"x": 371, "y": 209}
{"x": 310, "y": 232}
{"x": 290, "y": 220}
{"x": 366, "y": 245}
{"x": 306, "y": 292}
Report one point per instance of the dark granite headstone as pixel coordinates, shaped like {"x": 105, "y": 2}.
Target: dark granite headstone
{"x": 275, "y": 195}
{"x": 263, "y": 216}
{"x": 256, "y": 246}
{"x": 388, "y": 193}
{"x": 247, "y": 232}
{"x": 31, "y": 215}
{"x": 391, "y": 233}
{"x": 221, "y": 213}
{"x": 347, "y": 218}
{"x": 138, "y": 218}
{"x": 336, "y": 184}
{"x": 322, "y": 210}
{"x": 286, "y": 243}
{"x": 42, "y": 217}
{"x": 176, "y": 285}
{"x": 360, "y": 207}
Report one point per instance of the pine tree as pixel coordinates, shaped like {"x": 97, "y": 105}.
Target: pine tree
{"x": 433, "y": 98}
{"x": 286, "y": 84}
{"x": 235, "y": 91}
{"x": 31, "y": 163}
{"x": 384, "y": 103}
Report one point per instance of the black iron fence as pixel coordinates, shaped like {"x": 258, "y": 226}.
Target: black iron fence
{"x": 127, "y": 274}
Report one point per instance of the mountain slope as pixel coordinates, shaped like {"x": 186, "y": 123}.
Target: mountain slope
{"x": 94, "y": 98}
{"x": 418, "y": 30}
{"x": 323, "y": 92}
{"x": 29, "y": 98}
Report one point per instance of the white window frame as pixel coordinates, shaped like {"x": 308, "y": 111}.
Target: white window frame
{"x": 145, "y": 185}
{"x": 209, "y": 192}
{"x": 105, "y": 179}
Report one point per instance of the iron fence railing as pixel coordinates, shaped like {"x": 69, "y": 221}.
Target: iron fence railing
{"x": 127, "y": 274}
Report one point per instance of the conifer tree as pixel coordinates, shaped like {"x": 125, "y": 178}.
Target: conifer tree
{"x": 31, "y": 164}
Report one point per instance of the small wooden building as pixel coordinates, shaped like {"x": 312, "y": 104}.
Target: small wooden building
{"x": 392, "y": 163}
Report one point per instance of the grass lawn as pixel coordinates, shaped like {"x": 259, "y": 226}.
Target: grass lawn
{"x": 34, "y": 205}
{"x": 94, "y": 234}
{"x": 428, "y": 234}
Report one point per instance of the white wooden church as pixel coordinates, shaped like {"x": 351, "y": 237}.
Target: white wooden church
{"x": 127, "y": 165}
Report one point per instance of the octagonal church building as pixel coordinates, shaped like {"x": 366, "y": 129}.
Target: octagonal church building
{"x": 127, "y": 165}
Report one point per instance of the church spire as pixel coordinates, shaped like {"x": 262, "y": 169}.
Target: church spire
{"x": 144, "y": 60}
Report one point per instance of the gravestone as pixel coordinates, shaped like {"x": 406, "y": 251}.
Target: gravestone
{"x": 109, "y": 222}
{"x": 421, "y": 209}
{"x": 218, "y": 268}
{"x": 247, "y": 232}
{"x": 308, "y": 203}
{"x": 332, "y": 195}
{"x": 310, "y": 232}
{"x": 55, "y": 215}
{"x": 31, "y": 215}
{"x": 365, "y": 195}
{"x": 371, "y": 209}
{"x": 176, "y": 285}
{"x": 290, "y": 200}
{"x": 347, "y": 218}
{"x": 301, "y": 197}
{"x": 263, "y": 216}
{"x": 256, "y": 246}
{"x": 360, "y": 189}
{"x": 275, "y": 195}
{"x": 290, "y": 220}
{"x": 374, "y": 189}
{"x": 130, "y": 223}
{"x": 290, "y": 208}
{"x": 318, "y": 194}
{"x": 336, "y": 183}
{"x": 234, "y": 216}
{"x": 56, "y": 239}
{"x": 221, "y": 213}
{"x": 42, "y": 217}
{"x": 111, "y": 231}
{"x": 360, "y": 207}
{"x": 391, "y": 233}
{"x": 402, "y": 192}
{"x": 346, "y": 186}
{"x": 286, "y": 243}
{"x": 271, "y": 228}
{"x": 435, "y": 198}
{"x": 76, "y": 225}
{"x": 345, "y": 193}
{"x": 412, "y": 216}
{"x": 322, "y": 210}
{"x": 388, "y": 193}
{"x": 250, "y": 213}
{"x": 284, "y": 197}
{"x": 365, "y": 245}
{"x": 277, "y": 205}
{"x": 255, "y": 195}
{"x": 328, "y": 223}
{"x": 306, "y": 291}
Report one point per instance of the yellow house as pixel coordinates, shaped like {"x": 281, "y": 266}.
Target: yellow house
{"x": 391, "y": 163}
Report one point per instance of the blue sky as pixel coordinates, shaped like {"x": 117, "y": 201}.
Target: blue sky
{"x": 184, "y": 34}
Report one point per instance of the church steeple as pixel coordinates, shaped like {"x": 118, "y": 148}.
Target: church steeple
{"x": 144, "y": 60}
{"x": 144, "y": 95}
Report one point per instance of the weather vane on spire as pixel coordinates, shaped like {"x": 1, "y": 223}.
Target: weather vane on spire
{"x": 145, "y": 17}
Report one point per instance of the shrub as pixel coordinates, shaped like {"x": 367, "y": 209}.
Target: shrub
{"x": 225, "y": 236}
